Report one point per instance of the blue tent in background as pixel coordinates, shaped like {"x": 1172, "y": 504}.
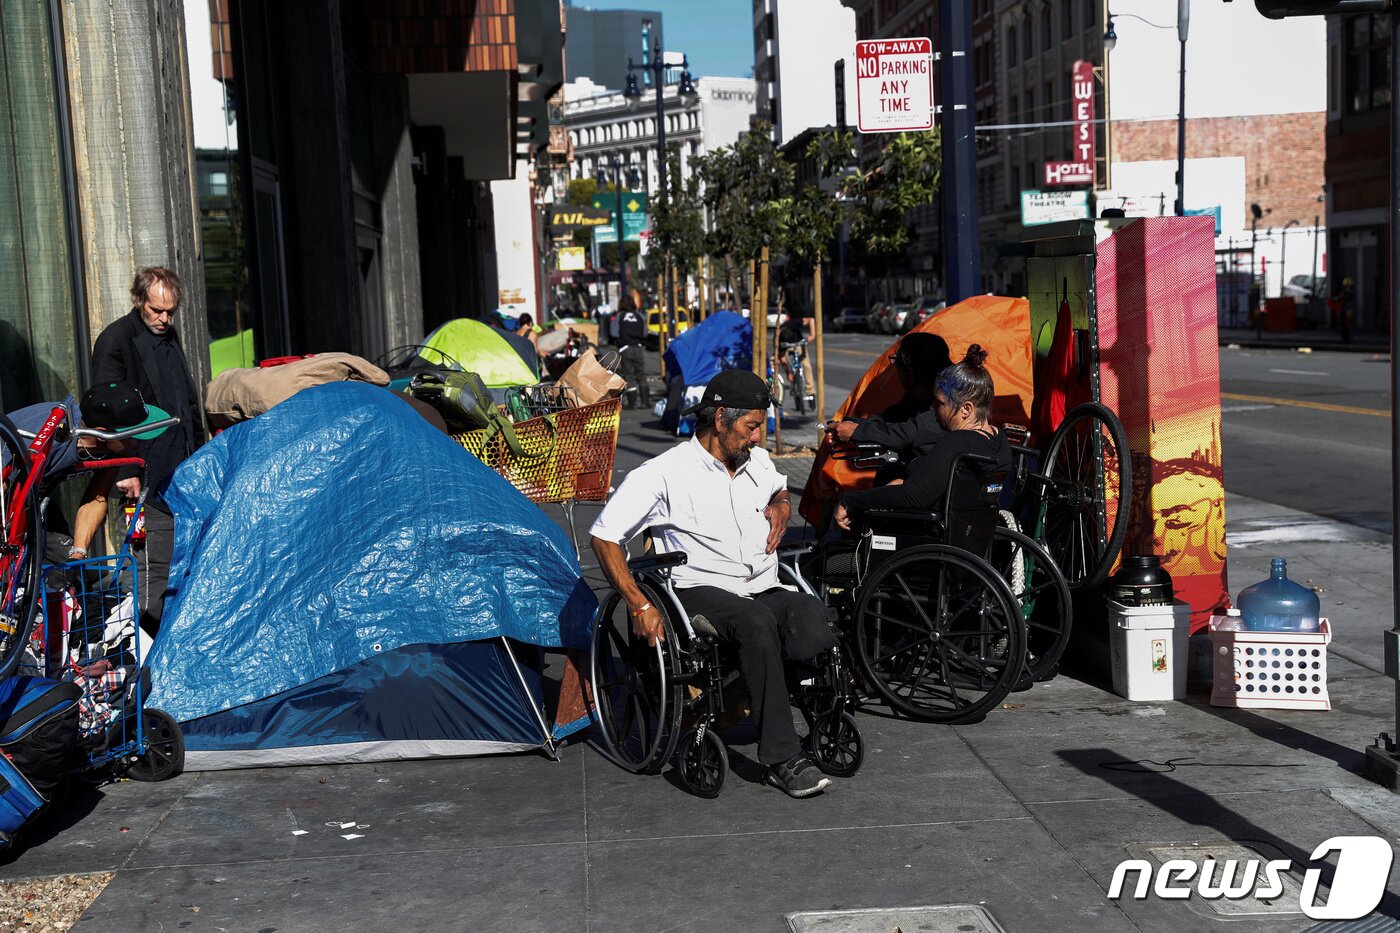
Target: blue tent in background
{"x": 351, "y": 585}
{"x": 724, "y": 340}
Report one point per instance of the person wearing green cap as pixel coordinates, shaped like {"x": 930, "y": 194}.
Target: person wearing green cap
{"x": 111, "y": 406}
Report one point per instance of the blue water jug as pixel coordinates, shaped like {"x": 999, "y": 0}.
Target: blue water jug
{"x": 1278, "y": 604}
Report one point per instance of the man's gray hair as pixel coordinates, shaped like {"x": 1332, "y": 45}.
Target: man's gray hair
{"x": 705, "y": 417}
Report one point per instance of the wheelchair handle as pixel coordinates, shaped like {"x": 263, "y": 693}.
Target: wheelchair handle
{"x": 655, "y": 561}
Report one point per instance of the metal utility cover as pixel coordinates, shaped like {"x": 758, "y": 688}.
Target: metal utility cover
{"x": 1285, "y": 903}
{"x": 942, "y": 918}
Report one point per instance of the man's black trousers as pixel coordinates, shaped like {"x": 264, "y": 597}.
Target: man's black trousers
{"x": 767, "y": 628}
{"x": 634, "y": 370}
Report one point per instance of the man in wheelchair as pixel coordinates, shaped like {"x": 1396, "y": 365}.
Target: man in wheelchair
{"x": 719, "y": 499}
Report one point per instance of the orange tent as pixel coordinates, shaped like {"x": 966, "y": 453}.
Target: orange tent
{"x": 1001, "y": 325}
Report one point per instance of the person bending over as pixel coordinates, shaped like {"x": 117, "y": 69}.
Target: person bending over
{"x": 719, "y": 499}
{"x": 962, "y": 402}
{"x": 909, "y": 427}
{"x": 108, "y": 406}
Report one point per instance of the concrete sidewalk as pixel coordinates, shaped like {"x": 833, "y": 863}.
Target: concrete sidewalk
{"x": 1017, "y": 822}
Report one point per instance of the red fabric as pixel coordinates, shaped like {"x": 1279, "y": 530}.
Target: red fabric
{"x": 1058, "y": 388}
{"x": 282, "y": 360}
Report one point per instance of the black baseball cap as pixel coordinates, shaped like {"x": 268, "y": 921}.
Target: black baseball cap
{"x": 116, "y": 406}
{"x": 734, "y": 388}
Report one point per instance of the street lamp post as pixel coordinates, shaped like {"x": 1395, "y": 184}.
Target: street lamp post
{"x": 1183, "y": 25}
{"x": 686, "y": 90}
{"x": 617, "y": 166}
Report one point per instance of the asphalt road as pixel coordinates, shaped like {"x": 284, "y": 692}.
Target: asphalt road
{"x": 1307, "y": 431}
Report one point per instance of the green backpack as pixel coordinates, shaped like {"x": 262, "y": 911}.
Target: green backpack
{"x": 466, "y": 405}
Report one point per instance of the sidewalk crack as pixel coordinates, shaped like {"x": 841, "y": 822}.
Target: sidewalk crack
{"x": 198, "y": 777}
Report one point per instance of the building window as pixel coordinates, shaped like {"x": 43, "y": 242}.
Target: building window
{"x": 1051, "y": 105}
{"x": 1031, "y": 115}
{"x": 1046, "y": 29}
{"x": 1015, "y": 109}
{"x": 1069, "y": 19}
{"x": 1011, "y": 46}
{"x": 218, "y": 184}
{"x": 1015, "y": 182}
{"x": 1368, "y": 62}
{"x": 1091, "y": 12}
{"x": 1027, "y": 43}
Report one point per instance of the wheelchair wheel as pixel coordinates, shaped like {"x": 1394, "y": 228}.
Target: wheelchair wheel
{"x": 703, "y": 763}
{"x": 835, "y": 743}
{"x": 636, "y": 695}
{"x": 1089, "y": 496}
{"x": 939, "y": 635}
{"x": 1043, "y": 595}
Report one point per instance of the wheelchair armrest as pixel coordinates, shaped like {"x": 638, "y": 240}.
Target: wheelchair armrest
{"x": 797, "y": 547}
{"x": 655, "y": 561}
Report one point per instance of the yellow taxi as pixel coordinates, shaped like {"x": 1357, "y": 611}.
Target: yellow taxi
{"x": 655, "y": 326}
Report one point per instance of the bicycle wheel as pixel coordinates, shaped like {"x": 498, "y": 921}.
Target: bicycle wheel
{"x": 1084, "y": 515}
{"x": 21, "y": 550}
{"x": 799, "y": 384}
{"x": 939, "y": 635}
{"x": 1043, "y": 595}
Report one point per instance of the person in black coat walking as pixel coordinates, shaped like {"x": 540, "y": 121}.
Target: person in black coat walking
{"x": 631, "y": 337}
{"x": 143, "y": 349}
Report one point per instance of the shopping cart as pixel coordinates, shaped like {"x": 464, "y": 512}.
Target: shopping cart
{"x": 90, "y": 636}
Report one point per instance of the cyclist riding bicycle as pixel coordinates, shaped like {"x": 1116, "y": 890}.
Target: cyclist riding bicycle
{"x": 792, "y": 335}
{"x": 110, "y": 406}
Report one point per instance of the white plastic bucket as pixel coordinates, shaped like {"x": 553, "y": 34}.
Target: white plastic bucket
{"x": 1149, "y": 650}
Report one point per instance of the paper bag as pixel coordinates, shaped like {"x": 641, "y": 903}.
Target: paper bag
{"x": 591, "y": 381}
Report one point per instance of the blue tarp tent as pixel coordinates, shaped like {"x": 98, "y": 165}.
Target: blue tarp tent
{"x": 724, "y": 340}
{"x": 351, "y": 585}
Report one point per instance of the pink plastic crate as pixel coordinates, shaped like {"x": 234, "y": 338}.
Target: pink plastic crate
{"x": 1270, "y": 670}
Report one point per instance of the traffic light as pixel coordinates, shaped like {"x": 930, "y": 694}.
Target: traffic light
{"x": 1278, "y": 9}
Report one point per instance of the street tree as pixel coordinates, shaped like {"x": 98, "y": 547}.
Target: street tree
{"x": 904, "y": 176}
{"x": 678, "y": 225}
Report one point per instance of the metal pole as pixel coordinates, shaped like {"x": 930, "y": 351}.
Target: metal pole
{"x": 960, "y": 248}
{"x": 1183, "y": 24}
{"x": 819, "y": 373}
{"x": 617, "y": 221}
{"x": 660, "y": 67}
{"x": 1382, "y": 763}
{"x": 1312, "y": 285}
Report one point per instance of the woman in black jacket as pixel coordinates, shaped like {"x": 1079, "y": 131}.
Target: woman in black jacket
{"x": 962, "y": 401}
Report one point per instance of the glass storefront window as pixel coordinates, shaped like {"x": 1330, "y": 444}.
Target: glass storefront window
{"x": 39, "y": 322}
{"x": 218, "y": 170}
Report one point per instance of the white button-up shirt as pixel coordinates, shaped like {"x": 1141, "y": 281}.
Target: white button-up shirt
{"x": 693, "y": 505}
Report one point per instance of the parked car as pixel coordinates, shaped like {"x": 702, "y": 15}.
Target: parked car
{"x": 654, "y": 325}
{"x": 894, "y": 320}
{"x": 848, "y": 320}
{"x": 875, "y": 316}
{"x": 922, "y": 310}
{"x": 1305, "y": 287}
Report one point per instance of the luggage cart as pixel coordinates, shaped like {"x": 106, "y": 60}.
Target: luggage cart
{"x": 90, "y": 635}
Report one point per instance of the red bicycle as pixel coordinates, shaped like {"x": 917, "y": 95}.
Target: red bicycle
{"x": 21, "y": 519}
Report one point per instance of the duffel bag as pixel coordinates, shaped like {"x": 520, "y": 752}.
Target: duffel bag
{"x": 40, "y": 729}
{"x": 19, "y": 801}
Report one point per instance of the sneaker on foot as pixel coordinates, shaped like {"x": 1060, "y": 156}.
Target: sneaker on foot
{"x": 798, "y": 777}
